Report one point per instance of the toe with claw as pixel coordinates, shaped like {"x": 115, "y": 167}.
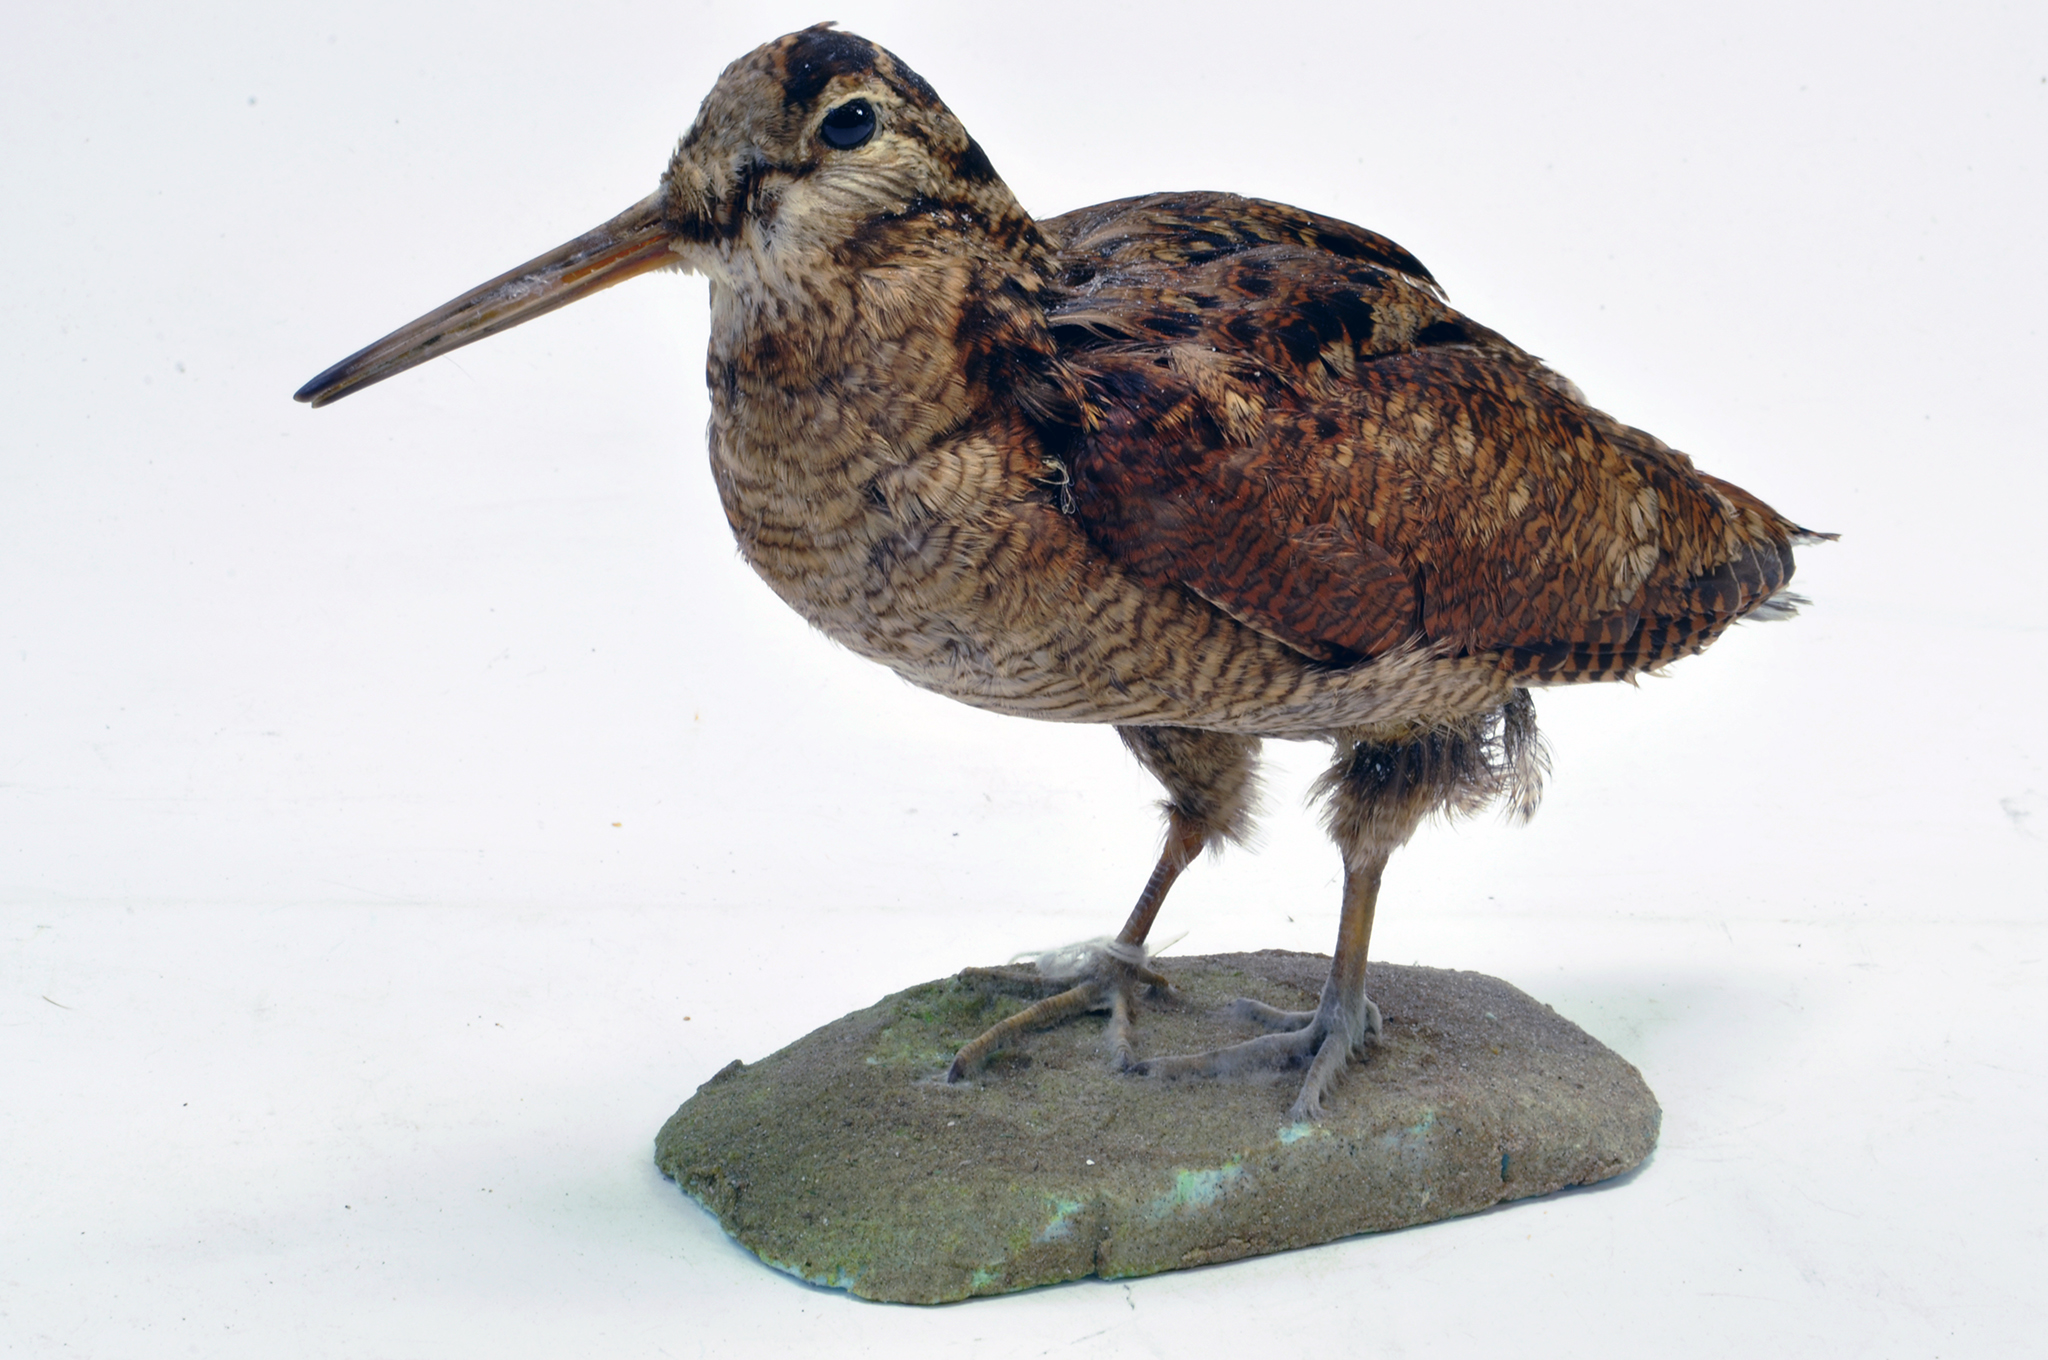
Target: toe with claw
{"x": 1108, "y": 974}
{"x": 1104, "y": 975}
{"x": 1325, "y": 1040}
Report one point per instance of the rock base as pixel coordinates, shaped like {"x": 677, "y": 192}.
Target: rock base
{"x": 846, "y": 1160}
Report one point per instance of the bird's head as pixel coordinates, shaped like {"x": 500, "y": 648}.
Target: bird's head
{"x": 803, "y": 155}
{"x": 809, "y": 144}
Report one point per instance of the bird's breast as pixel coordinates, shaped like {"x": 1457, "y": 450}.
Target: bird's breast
{"x": 875, "y": 490}
{"x": 911, "y": 558}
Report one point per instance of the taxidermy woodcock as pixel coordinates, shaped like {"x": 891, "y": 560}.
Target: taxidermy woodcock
{"x": 1205, "y": 468}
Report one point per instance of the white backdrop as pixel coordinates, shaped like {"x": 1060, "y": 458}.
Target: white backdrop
{"x": 403, "y": 806}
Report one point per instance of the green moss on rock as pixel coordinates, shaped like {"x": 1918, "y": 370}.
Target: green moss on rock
{"x": 846, "y": 1160}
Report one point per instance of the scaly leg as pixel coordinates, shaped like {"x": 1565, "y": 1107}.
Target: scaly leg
{"x": 1325, "y": 1038}
{"x": 1111, "y": 977}
{"x": 1208, "y": 776}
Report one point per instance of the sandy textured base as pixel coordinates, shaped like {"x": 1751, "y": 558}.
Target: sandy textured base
{"x": 845, "y": 1158}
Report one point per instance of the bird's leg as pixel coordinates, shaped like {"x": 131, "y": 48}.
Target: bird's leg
{"x": 1326, "y": 1038}
{"x": 1381, "y": 787}
{"x": 1112, "y": 974}
{"x": 1345, "y": 1015}
{"x": 1208, "y": 776}
{"x": 1347, "y": 966}
{"x": 1185, "y": 838}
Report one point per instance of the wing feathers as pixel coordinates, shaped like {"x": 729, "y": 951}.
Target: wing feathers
{"x": 1304, "y": 435}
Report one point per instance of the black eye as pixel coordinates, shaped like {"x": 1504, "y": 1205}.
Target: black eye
{"x": 849, "y": 125}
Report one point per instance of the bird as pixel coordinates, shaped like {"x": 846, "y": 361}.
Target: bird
{"x": 1207, "y": 469}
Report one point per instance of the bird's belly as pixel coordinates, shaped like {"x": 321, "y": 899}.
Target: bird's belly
{"x": 1014, "y": 613}
{"x": 940, "y": 604}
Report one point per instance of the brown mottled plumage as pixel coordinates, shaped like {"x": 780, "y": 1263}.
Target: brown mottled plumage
{"x": 1207, "y": 468}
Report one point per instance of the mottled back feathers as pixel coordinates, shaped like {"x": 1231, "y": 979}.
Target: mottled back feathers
{"x": 1285, "y": 418}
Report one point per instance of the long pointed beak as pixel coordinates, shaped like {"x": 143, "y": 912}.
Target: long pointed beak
{"x": 634, "y": 242}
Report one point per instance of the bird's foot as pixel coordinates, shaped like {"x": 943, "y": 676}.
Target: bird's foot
{"x": 1098, "y": 975}
{"x": 1325, "y": 1039}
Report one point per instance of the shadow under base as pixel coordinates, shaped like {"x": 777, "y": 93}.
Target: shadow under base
{"x": 846, "y": 1160}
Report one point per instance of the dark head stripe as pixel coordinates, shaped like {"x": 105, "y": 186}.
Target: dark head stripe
{"x": 817, "y": 55}
{"x": 814, "y": 58}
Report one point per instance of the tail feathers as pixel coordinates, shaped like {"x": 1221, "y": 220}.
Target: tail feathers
{"x": 1784, "y": 604}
